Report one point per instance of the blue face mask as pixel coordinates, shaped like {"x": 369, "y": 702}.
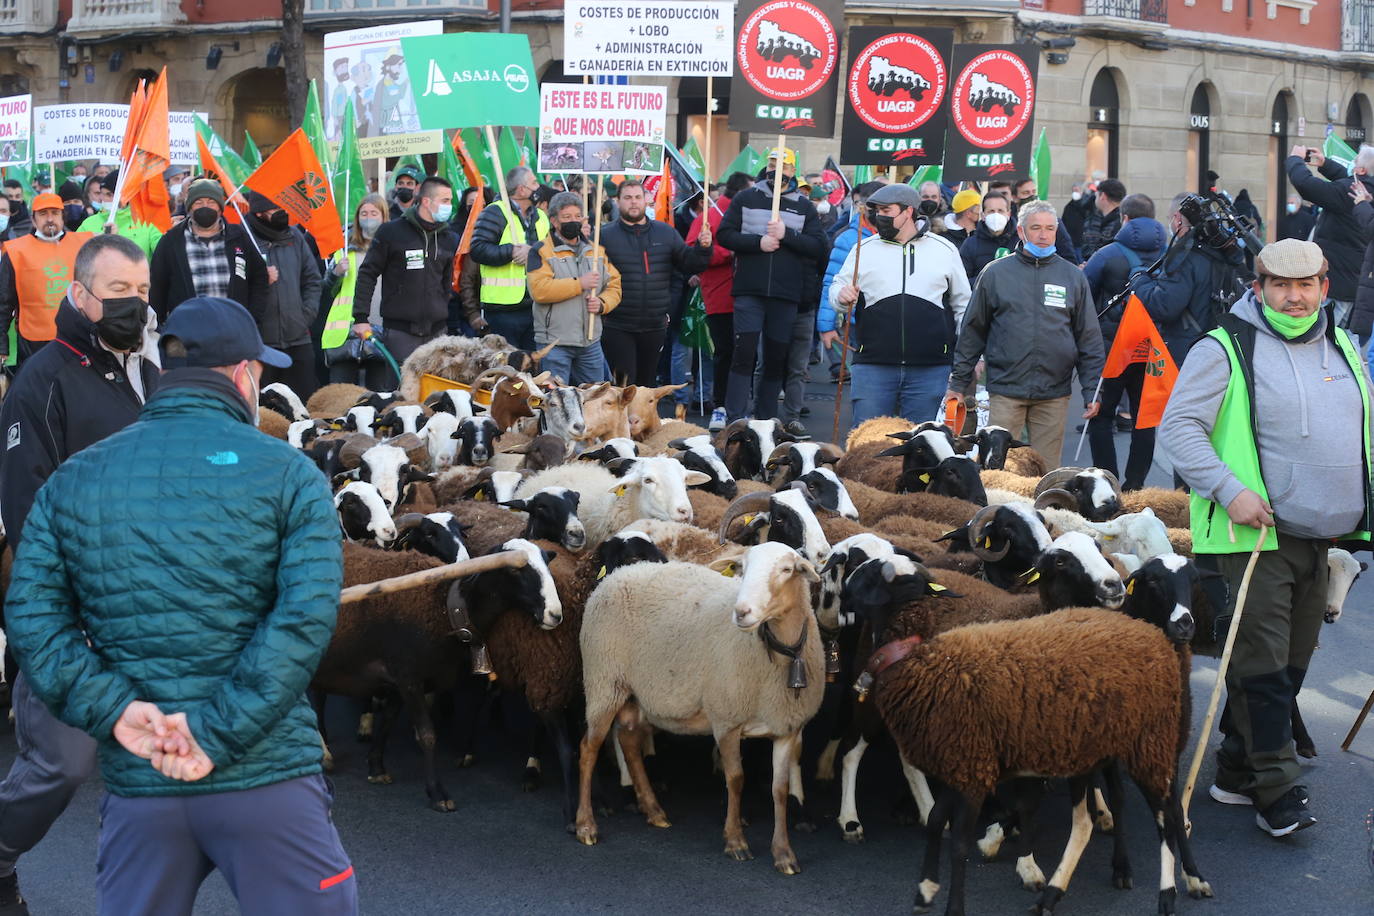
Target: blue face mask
{"x": 4, "y": 221}
{"x": 1037, "y": 250}
{"x": 443, "y": 212}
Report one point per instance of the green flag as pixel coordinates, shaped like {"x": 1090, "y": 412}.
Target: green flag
{"x": 313, "y": 125}
{"x": 350, "y": 185}
{"x": 691, "y": 155}
{"x": 414, "y": 162}
{"x": 450, "y": 169}
{"x": 1337, "y": 150}
{"x": 862, "y": 174}
{"x": 1040, "y": 166}
{"x": 747, "y": 162}
{"x": 926, "y": 173}
{"x": 508, "y": 149}
{"x": 531, "y": 153}
{"x": 251, "y": 156}
{"x": 476, "y": 142}
{"x": 235, "y": 169}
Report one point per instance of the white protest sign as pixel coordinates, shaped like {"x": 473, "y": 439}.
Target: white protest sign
{"x": 649, "y": 37}
{"x": 181, "y": 136}
{"x": 86, "y": 131}
{"x": 368, "y": 66}
{"x": 15, "y": 127}
{"x": 609, "y": 130}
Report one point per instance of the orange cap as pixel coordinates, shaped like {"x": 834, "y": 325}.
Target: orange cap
{"x": 47, "y": 201}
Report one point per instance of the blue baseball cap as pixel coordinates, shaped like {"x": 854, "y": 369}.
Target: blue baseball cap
{"x": 215, "y": 332}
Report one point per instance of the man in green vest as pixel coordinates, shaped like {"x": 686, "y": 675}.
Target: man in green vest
{"x": 144, "y": 235}
{"x": 1269, "y": 425}
{"x": 501, "y": 242}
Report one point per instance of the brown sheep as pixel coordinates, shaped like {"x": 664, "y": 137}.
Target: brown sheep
{"x": 333, "y": 400}
{"x": 877, "y": 429}
{"x": 273, "y": 423}
{"x": 1170, "y": 506}
{"x": 656, "y": 443}
{"x": 1027, "y": 462}
{"x": 875, "y": 504}
{"x": 683, "y": 542}
{"x": 861, "y": 463}
{"x": 459, "y": 359}
{"x": 1011, "y": 482}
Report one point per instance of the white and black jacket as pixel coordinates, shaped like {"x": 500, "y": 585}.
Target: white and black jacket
{"x": 911, "y": 300}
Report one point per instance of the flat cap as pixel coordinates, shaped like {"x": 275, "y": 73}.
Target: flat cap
{"x": 1291, "y": 258}
{"x": 903, "y": 194}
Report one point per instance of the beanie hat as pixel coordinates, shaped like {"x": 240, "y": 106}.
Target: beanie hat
{"x": 205, "y": 187}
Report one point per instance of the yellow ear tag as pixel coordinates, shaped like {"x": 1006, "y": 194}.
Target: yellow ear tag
{"x": 925, "y": 478}
{"x": 729, "y": 571}
{"x": 987, "y": 543}
{"x": 517, "y": 386}
{"x": 620, "y": 490}
{"x": 1034, "y": 577}
{"x": 1130, "y": 587}
{"x": 536, "y": 402}
{"x": 601, "y": 573}
{"x": 936, "y": 587}
{"x": 1109, "y": 537}
{"x": 747, "y": 519}
{"x": 480, "y": 495}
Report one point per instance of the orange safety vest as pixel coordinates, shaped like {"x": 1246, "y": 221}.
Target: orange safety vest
{"x": 42, "y": 271}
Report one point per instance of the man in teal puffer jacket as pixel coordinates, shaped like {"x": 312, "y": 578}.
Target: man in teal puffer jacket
{"x": 175, "y": 590}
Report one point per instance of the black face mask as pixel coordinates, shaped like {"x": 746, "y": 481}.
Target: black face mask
{"x": 121, "y": 322}
{"x": 278, "y": 220}
{"x": 205, "y": 217}
{"x": 405, "y": 195}
{"x": 572, "y": 231}
{"x": 73, "y": 214}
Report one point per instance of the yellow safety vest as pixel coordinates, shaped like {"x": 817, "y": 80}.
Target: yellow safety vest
{"x": 505, "y": 285}
{"x": 340, "y": 318}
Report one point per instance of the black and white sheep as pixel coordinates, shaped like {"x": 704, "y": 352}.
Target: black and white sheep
{"x": 650, "y": 488}
{"x": 284, "y": 401}
{"x": 363, "y": 514}
{"x": 699, "y": 453}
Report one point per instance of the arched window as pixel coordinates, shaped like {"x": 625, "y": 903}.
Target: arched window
{"x": 1199, "y": 138}
{"x": 1278, "y": 156}
{"x": 1103, "y": 115}
{"x": 1357, "y": 120}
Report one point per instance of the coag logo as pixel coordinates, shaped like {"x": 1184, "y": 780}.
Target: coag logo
{"x": 517, "y": 80}
{"x": 787, "y": 49}
{"x": 993, "y": 99}
{"x": 898, "y": 82}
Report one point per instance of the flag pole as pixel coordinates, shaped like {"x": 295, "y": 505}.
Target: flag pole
{"x": 848, "y": 323}
{"x": 586, "y": 192}
{"x": 500, "y": 188}
{"x": 596, "y": 246}
{"x": 1081, "y": 436}
{"x": 347, "y": 213}
{"x": 706, "y": 155}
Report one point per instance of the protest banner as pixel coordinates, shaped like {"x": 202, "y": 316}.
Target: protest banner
{"x": 648, "y": 38}
{"x": 991, "y": 104}
{"x": 294, "y": 179}
{"x": 16, "y": 124}
{"x": 473, "y": 79}
{"x": 894, "y": 97}
{"x": 79, "y": 131}
{"x": 368, "y": 66}
{"x": 787, "y": 53}
{"x": 601, "y": 130}
{"x": 182, "y": 133}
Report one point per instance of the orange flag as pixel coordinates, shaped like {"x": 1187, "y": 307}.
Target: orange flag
{"x": 149, "y": 154}
{"x": 663, "y": 194}
{"x": 293, "y": 178}
{"x": 470, "y": 170}
{"x": 1138, "y": 341}
{"x": 136, "y": 104}
{"x": 210, "y": 166}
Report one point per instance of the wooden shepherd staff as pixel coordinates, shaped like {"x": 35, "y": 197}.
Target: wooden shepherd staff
{"x": 512, "y": 558}
{"x": 596, "y": 259}
{"x": 848, "y": 323}
{"x": 1230, "y": 644}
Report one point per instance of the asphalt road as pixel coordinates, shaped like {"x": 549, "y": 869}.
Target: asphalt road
{"x": 505, "y": 851}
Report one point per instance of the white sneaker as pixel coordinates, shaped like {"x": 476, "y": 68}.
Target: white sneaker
{"x": 1228, "y": 798}
{"x": 717, "y": 419}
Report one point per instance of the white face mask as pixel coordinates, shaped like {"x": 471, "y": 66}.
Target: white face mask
{"x": 995, "y": 222}
{"x": 174, "y": 189}
{"x": 823, "y": 207}
{"x": 257, "y": 409}
{"x": 1077, "y": 195}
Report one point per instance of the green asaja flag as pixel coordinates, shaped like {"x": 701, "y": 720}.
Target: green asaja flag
{"x": 235, "y": 169}
{"x": 472, "y": 79}
{"x": 508, "y": 149}
{"x": 747, "y": 162}
{"x": 476, "y": 142}
{"x": 926, "y": 173}
{"x": 1337, "y": 150}
{"x": 1040, "y": 166}
{"x": 251, "y": 156}
{"x": 450, "y": 169}
{"x": 313, "y": 125}
{"x": 350, "y": 184}
{"x": 691, "y": 157}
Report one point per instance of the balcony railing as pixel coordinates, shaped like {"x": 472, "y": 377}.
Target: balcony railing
{"x": 1138, "y": 10}
{"x": 324, "y": 9}
{"x": 27, "y": 16}
{"x": 116, "y": 15}
{"x": 1357, "y": 26}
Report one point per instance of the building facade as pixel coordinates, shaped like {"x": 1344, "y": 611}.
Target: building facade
{"x": 1157, "y": 92}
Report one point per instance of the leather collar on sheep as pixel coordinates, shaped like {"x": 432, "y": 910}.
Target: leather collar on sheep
{"x": 796, "y": 671}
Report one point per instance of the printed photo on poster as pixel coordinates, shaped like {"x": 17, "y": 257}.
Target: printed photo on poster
{"x": 895, "y": 91}
{"x": 16, "y": 124}
{"x": 991, "y": 105}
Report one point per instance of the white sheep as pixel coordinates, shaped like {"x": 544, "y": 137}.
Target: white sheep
{"x": 439, "y": 441}
{"x": 677, "y": 646}
{"x": 651, "y": 488}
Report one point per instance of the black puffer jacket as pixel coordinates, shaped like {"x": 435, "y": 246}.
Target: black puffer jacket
{"x": 1340, "y": 236}
{"x": 980, "y": 249}
{"x": 645, "y": 254}
{"x": 785, "y": 273}
{"x": 1362, "y": 320}
{"x": 414, "y": 263}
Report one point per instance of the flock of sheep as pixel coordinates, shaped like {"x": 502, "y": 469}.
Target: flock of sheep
{"x": 1004, "y": 621}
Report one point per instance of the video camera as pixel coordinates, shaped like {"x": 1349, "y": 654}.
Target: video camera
{"x": 1216, "y": 224}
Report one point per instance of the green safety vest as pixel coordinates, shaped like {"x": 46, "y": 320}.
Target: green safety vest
{"x": 505, "y": 285}
{"x": 1235, "y": 440}
{"x": 340, "y": 318}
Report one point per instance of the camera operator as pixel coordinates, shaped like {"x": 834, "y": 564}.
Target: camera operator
{"x": 1338, "y": 233}
{"x": 1199, "y": 277}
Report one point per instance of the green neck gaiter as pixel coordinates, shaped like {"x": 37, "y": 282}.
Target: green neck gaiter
{"x": 1288, "y": 326}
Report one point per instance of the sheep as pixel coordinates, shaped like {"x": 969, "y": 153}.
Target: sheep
{"x": 476, "y": 440}
{"x": 785, "y": 517}
{"x": 612, "y": 449}
{"x": 546, "y": 514}
{"x": 929, "y": 463}
{"x": 642, "y": 410}
{"x": 627, "y": 546}
{"x": 438, "y": 534}
{"x": 404, "y": 642}
{"x": 681, "y": 542}
{"x": 874, "y": 504}
{"x": 303, "y": 432}
{"x": 1171, "y": 506}
{"x": 358, "y": 419}
{"x": 283, "y": 400}
{"x": 993, "y": 444}
{"x": 485, "y": 483}
{"x": 875, "y": 431}
{"x": 708, "y": 508}
{"x": 829, "y": 492}
{"x": 381, "y": 401}
{"x": 745, "y": 445}
{"x": 1093, "y": 493}
{"x": 454, "y": 401}
{"x": 386, "y": 465}
{"x": 1343, "y": 569}
{"x": 861, "y": 464}
{"x": 661, "y": 440}
{"x": 652, "y": 488}
{"x": 1025, "y": 696}
{"x": 543, "y": 451}
{"x": 1139, "y": 533}
{"x": 334, "y": 399}
{"x": 401, "y": 418}
{"x": 273, "y": 423}
{"x": 698, "y": 453}
{"x": 1023, "y": 487}
{"x": 677, "y": 646}
{"x": 791, "y": 460}
{"x": 439, "y": 438}
{"x": 1027, "y": 462}
{"x": 363, "y": 514}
